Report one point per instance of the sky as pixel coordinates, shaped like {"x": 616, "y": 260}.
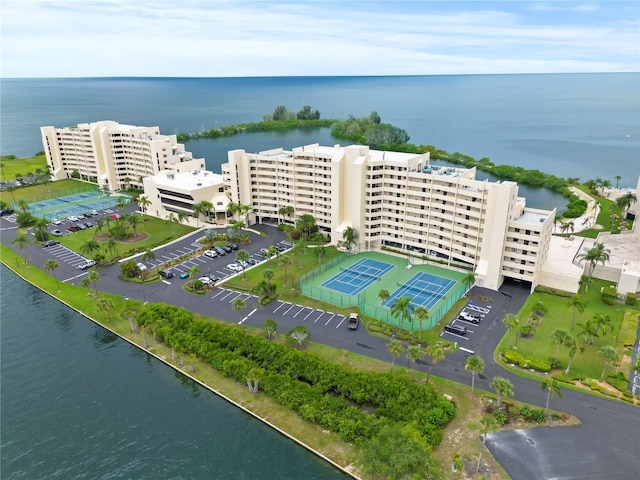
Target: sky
{"x": 218, "y": 38}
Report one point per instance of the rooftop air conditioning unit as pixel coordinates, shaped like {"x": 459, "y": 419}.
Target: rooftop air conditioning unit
{"x": 170, "y": 176}
{"x": 198, "y": 184}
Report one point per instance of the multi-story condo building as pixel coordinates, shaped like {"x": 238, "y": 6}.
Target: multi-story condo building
{"x": 398, "y": 200}
{"x": 112, "y": 155}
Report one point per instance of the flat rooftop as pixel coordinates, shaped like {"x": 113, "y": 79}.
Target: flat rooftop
{"x": 188, "y": 180}
{"x": 532, "y": 218}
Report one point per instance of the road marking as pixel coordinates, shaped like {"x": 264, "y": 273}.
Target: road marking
{"x": 466, "y": 350}
{"x": 341, "y": 321}
{"x": 245, "y": 318}
{"x": 287, "y": 311}
{"x": 319, "y": 316}
{"x": 164, "y": 281}
{"x": 73, "y": 278}
{"x": 299, "y": 311}
{"x": 280, "y": 306}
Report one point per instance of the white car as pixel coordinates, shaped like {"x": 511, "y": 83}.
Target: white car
{"x": 235, "y": 267}
{"x": 142, "y": 266}
{"x": 55, "y": 221}
{"x": 211, "y": 253}
{"x": 72, "y": 218}
{"x": 206, "y": 280}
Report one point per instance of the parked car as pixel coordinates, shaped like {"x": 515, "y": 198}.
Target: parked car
{"x": 6, "y": 211}
{"x": 166, "y": 273}
{"x": 55, "y": 221}
{"x": 81, "y": 226}
{"x": 354, "y": 321}
{"x": 87, "y": 264}
{"x": 235, "y": 267}
{"x": 456, "y": 329}
{"x": 56, "y": 233}
{"x": 227, "y": 248}
{"x": 94, "y": 213}
{"x": 88, "y": 224}
{"x": 184, "y": 275}
{"x": 142, "y": 266}
{"x": 469, "y": 317}
{"x": 72, "y": 218}
{"x": 80, "y": 216}
{"x": 115, "y": 216}
{"x": 279, "y": 248}
{"x": 211, "y": 253}
{"x": 252, "y": 261}
{"x": 50, "y": 243}
{"x": 242, "y": 263}
{"x": 74, "y": 228}
{"x": 234, "y": 246}
{"x": 221, "y": 251}
{"x": 206, "y": 280}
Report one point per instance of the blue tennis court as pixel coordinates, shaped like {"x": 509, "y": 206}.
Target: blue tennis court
{"x": 355, "y": 278}
{"x": 82, "y": 202}
{"x": 424, "y": 290}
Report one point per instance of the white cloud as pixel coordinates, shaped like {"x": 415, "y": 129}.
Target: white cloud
{"x": 216, "y": 38}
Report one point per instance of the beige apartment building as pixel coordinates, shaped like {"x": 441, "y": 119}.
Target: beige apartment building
{"x": 398, "y": 200}
{"x": 112, "y": 155}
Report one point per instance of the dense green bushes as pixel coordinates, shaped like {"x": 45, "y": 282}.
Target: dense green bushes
{"x": 516, "y": 358}
{"x": 354, "y": 404}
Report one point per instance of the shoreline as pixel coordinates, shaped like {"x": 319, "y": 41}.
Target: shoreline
{"x": 177, "y": 368}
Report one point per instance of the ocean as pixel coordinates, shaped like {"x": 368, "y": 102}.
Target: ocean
{"x": 78, "y": 402}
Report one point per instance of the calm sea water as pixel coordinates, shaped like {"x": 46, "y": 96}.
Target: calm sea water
{"x": 79, "y": 403}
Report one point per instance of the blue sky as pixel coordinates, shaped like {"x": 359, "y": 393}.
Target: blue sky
{"x": 216, "y": 38}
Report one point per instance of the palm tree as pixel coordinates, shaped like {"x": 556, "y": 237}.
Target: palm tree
{"x": 422, "y": 314}
{"x": 21, "y": 241}
{"x": 383, "y": 295}
{"x": 100, "y": 224}
{"x": 503, "y": 387}
{"x": 576, "y": 303}
{"x": 588, "y": 330}
{"x": 40, "y": 230}
{"x": 244, "y": 210}
{"x": 475, "y": 365}
{"x": 585, "y": 281}
{"x": 489, "y": 424}
{"x": 282, "y": 212}
{"x": 559, "y": 335}
{"x": 604, "y": 320}
{"x": 181, "y": 217}
{"x": 144, "y": 202}
{"x": 414, "y": 353}
{"x": 268, "y": 274}
{"x": 401, "y": 308}
{"x": 133, "y": 221}
{"x": 610, "y": 356}
{"x": 571, "y": 343}
{"x": 285, "y": 262}
{"x": 595, "y": 255}
{"x": 243, "y": 256}
{"x": 238, "y": 305}
{"x": 235, "y": 226}
{"x": 306, "y": 223}
{"x": 552, "y": 387}
{"x": 511, "y": 321}
{"x": 105, "y": 304}
{"x": 436, "y": 352}
{"x": 349, "y": 237}
{"x": 233, "y": 209}
{"x": 201, "y": 208}
{"x": 270, "y": 327}
{"x": 618, "y": 178}
{"x": 112, "y": 246}
{"x": 23, "y": 206}
{"x": 567, "y": 226}
{"x": 148, "y": 256}
{"x": 50, "y": 266}
{"x": 90, "y": 247}
{"x": 11, "y": 189}
{"x": 93, "y": 276}
{"x": 469, "y": 279}
{"x": 320, "y": 252}
{"x": 395, "y": 348}
{"x": 193, "y": 273}
{"x": 272, "y": 252}
{"x": 626, "y": 200}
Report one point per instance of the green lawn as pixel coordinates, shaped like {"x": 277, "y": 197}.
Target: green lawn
{"x": 11, "y": 167}
{"x": 558, "y": 315}
{"x": 154, "y": 230}
{"x": 34, "y": 193}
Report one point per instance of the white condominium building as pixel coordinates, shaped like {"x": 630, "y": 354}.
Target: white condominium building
{"x": 398, "y": 200}
{"x": 112, "y": 155}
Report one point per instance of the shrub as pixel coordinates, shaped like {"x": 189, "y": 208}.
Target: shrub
{"x": 632, "y": 299}
{"x": 629, "y": 328}
{"x": 500, "y": 417}
{"x": 538, "y": 364}
{"x": 570, "y": 378}
{"x": 609, "y": 295}
{"x": 618, "y": 381}
{"x": 553, "y": 291}
{"x": 529, "y": 414}
{"x": 511, "y": 356}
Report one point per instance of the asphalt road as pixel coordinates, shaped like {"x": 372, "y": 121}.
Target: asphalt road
{"x": 605, "y": 446}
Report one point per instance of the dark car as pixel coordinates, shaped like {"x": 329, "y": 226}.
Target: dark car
{"x": 50, "y": 243}
{"x": 6, "y": 211}
{"x": 234, "y": 246}
{"x": 221, "y": 251}
{"x": 455, "y": 329}
{"x": 227, "y": 248}
{"x": 252, "y": 261}
{"x": 166, "y": 273}
{"x": 74, "y": 228}
{"x": 279, "y": 248}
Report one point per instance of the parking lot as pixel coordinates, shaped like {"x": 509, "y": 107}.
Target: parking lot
{"x": 465, "y": 331}
{"x": 64, "y": 255}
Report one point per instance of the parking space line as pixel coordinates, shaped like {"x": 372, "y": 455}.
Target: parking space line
{"x": 341, "y": 321}
{"x": 164, "y": 281}
{"x": 280, "y": 306}
{"x": 322, "y": 312}
{"x": 245, "y": 318}
{"x": 229, "y": 292}
{"x": 300, "y": 311}
{"x": 308, "y": 314}
{"x": 466, "y": 350}
{"x": 287, "y": 311}
{"x": 331, "y": 318}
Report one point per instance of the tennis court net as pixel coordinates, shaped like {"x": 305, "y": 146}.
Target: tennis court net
{"x": 358, "y": 272}
{"x": 420, "y": 291}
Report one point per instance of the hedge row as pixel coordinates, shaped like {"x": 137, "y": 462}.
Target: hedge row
{"x": 354, "y": 404}
{"x": 511, "y": 356}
